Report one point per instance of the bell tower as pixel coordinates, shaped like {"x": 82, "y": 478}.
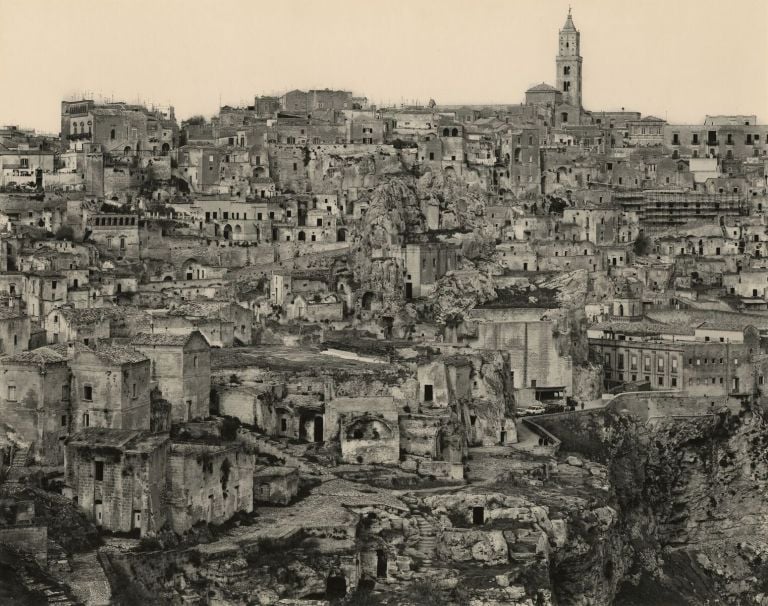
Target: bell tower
{"x": 569, "y": 63}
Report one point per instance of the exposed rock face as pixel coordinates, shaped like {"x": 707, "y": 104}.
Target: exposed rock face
{"x": 693, "y": 494}
{"x": 458, "y": 292}
{"x": 692, "y": 522}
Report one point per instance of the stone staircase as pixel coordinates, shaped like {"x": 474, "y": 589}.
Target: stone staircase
{"x": 53, "y": 594}
{"x": 18, "y": 465}
{"x": 426, "y": 542}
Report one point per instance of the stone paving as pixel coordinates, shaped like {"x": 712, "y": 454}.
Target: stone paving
{"x": 88, "y": 581}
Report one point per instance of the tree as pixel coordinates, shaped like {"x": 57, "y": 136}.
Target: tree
{"x": 642, "y": 245}
{"x": 65, "y": 232}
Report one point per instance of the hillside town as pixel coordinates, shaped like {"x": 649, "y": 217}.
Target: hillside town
{"x": 312, "y": 350}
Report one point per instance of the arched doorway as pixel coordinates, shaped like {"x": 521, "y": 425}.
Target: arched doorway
{"x": 165, "y": 149}
{"x": 227, "y": 232}
{"x": 318, "y": 429}
{"x": 302, "y": 236}
{"x": 341, "y": 235}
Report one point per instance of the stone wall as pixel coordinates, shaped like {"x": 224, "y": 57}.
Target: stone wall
{"x": 29, "y": 539}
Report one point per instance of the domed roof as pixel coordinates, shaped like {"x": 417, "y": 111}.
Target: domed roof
{"x": 542, "y": 88}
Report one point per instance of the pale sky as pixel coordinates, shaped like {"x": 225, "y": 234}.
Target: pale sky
{"x": 676, "y": 59}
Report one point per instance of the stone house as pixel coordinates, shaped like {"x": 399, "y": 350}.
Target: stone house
{"x": 110, "y": 387}
{"x": 65, "y": 324}
{"x": 240, "y": 317}
{"x": 275, "y": 485}
{"x": 35, "y": 402}
{"x": 209, "y": 482}
{"x": 181, "y": 366}
{"x": 118, "y": 478}
{"x": 367, "y": 428}
{"x": 253, "y": 404}
{"x": 218, "y": 332}
{"x": 15, "y": 329}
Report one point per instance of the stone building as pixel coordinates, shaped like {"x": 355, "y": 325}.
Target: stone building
{"x": 425, "y": 264}
{"x": 110, "y": 387}
{"x": 118, "y": 478}
{"x": 275, "y": 485}
{"x": 367, "y": 428}
{"x": 35, "y": 400}
{"x": 116, "y": 234}
{"x": 15, "y": 329}
{"x": 181, "y": 367}
{"x": 208, "y": 482}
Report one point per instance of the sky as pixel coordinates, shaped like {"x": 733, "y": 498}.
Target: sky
{"x": 675, "y": 59}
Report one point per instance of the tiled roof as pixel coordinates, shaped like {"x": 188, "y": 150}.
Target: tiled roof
{"x": 40, "y": 356}
{"x": 9, "y": 313}
{"x": 641, "y": 327}
{"x": 146, "y": 338}
{"x": 118, "y": 354}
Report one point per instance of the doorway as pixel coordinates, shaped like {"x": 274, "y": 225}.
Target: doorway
{"x": 318, "y": 429}
{"x": 381, "y": 564}
{"x": 335, "y": 588}
{"x": 478, "y": 516}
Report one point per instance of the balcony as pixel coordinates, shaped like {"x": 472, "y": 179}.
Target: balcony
{"x": 79, "y": 136}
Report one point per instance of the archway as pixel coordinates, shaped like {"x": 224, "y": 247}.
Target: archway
{"x": 127, "y": 149}
{"x": 165, "y": 149}
{"x": 227, "y": 232}
{"x": 238, "y": 230}
{"x": 302, "y": 236}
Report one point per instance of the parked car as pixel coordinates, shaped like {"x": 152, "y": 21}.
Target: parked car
{"x": 533, "y": 409}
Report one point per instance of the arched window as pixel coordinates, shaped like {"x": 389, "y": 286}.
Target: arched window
{"x": 455, "y": 132}
{"x": 445, "y": 132}
{"x": 74, "y": 128}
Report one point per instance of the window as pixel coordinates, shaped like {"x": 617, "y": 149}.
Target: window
{"x": 63, "y": 420}
{"x": 647, "y": 364}
{"x": 86, "y": 419}
{"x": 11, "y": 393}
{"x": 428, "y": 393}
{"x": 87, "y": 392}
{"x": 98, "y": 471}
{"x": 195, "y": 361}
{"x": 112, "y": 134}
{"x": 134, "y": 390}
{"x": 283, "y": 425}
{"x": 65, "y": 392}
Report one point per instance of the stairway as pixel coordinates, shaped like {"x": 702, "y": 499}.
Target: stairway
{"x": 426, "y": 543}
{"x": 19, "y": 464}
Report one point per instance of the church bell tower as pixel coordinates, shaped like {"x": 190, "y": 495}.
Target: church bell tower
{"x": 569, "y": 63}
